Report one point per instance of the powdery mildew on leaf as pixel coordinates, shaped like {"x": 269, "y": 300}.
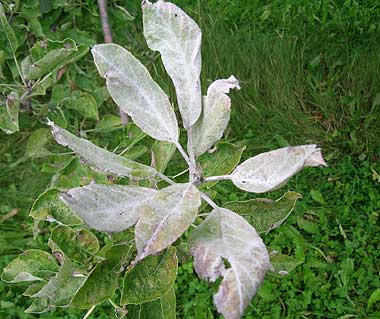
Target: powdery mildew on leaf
{"x": 177, "y": 37}
{"x": 99, "y": 158}
{"x": 165, "y": 217}
{"x": 225, "y": 234}
{"x": 272, "y": 170}
{"x": 215, "y": 116}
{"x": 109, "y": 208}
{"x": 135, "y": 92}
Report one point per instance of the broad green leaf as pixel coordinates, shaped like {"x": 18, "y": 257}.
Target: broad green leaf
{"x": 79, "y": 244}
{"x": 375, "y": 297}
{"x": 215, "y": 116}
{"x": 61, "y": 288}
{"x": 165, "y": 217}
{"x": 109, "y": 123}
{"x": 135, "y": 92}
{"x": 99, "y": 158}
{"x": 37, "y": 142}
{"x": 265, "y": 214}
{"x": 178, "y": 38}
{"x": 163, "y": 308}
{"x": 135, "y": 152}
{"x": 31, "y": 265}
{"x": 271, "y": 170}
{"x": 226, "y": 235}
{"x": 282, "y": 264}
{"x": 9, "y": 33}
{"x": 162, "y": 153}
{"x": 102, "y": 282}
{"x": 221, "y": 161}
{"x": 84, "y": 103}
{"x": 9, "y": 114}
{"x": 49, "y": 207}
{"x": 150, "y": 279}
{"x": 110, "y": 208}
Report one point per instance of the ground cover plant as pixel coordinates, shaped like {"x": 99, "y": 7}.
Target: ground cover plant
{"x": 302, "y": 80}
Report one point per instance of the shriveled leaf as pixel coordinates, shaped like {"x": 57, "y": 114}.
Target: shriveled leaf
{"x": 37, "y": 142}
{"x": 271, "y": 170}
{"x": 102, "y": 282}
{"x": 79, "y": 244}
{"x": 31, "y": 265}
{"x": 221, "y": 161}
{"x": 163, "y": 308}
{"x": 99, "y": 158}
{"x": 165, "y": 217}
{"x": 135, "y": 92}
{"x": 282, "y": 264}
{"x": 265, "y": 214}
{"x": 49, "y": 207}
{"x": 9, "y": 114}
{"x": 110, "y": 208}
{"x": 178, "y": 38}
{"x": 162, "y": 153}
{"x": 151, "y": 279}
{"x": 226, "y": 235}
{"x": 61, "y": 288}
{"x": 215, "y": 116}
{"x": 9, "y": 33}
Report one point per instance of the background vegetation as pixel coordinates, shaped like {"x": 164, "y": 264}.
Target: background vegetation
{"x": 310, "y": 72}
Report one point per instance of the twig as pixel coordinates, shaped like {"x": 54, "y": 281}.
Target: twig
{"x": 89, "y": 312}
{"x": 216, "y": 178}
{"x": 208, "y": 200}
{"x": 186, "y": 157}
{"x": 102, "y": 4}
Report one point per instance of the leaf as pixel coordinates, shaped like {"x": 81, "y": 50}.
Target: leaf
{"x": 163, "y": 308}
{"x": 9, "y": 114}
{"x": 222, "y": 161}
{"x": 375, "y": 297}
{"x": 151, "y": 279}
{"x": 282, "y": 264}
{"x": 79, "y": 245}
{"x": 162, "y": 153}
{"x": 9, "y": 33}
{"x": 31, "y": 265}
{"x": 36, "y": 143}
{"x": 84, "y": 103}
{"x": 216, "y": 115}
{"x": 178, "y": 38}
{"x": 109, "y": 208}
{"x": 49, "y": 207}
{"x": 61, "y": 288}
{"x": 134, "y": 91}
{"x": 271, "y": 170}
{"x": 265, "y": 214}
{"x": 99, "y": 158}
{"x": 317, "y": 196}
{"x": 226, "y": 235}
{"x": 135, "y": 152}
{"x": 102, "y": 282}
{"x": 165, "y": 217}
{"x": 109, "y": 123}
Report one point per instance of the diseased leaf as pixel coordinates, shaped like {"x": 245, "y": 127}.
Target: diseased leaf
{"x": 178, "y": 38}
{"x": 282, "y": 264}
{"x": 80, "y": 244}
{"x": 110, "y": 208}
{"x": 150, "y": 279}
{"x": 162, "y": 153}
{"x": 271, "y": 170}
{"x": 215, "y": 116}
{"x": 31, "y": 265}
{"x": 37, "y": 142}
{"x": 163, "y": 308}
{"x": 9, "y": 33}
{"x": 102, "y": 282}
{"x": 34, "y": 288}
{"x": 49, "y": 207}
{"x": 265, "y": 214}
{"x": 221, "y": 161}
{"x": 38, "y": 306}
{"x": 135, "y": 92}
{"x": 99, "y": 158}
{"x": 165, "y": 217}
{"x": 226, "y": 235}
{"x": 9, "y": 114}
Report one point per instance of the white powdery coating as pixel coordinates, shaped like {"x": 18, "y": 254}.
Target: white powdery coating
{"x": 177, "y": 37}
{"x": 134, "y": 91}
{"x": 109, "y": 208}
{"x": 216, "y": 115}
{"x": 271, "y": 170}
{"x": 225, "y": 234}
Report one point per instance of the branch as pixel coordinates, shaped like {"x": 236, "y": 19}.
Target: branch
{"x": 104, "y": 19}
